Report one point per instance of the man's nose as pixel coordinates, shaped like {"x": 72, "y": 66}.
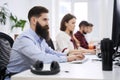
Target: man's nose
{"x": 47, "y": 22}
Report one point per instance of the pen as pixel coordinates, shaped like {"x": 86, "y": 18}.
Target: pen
{"x": 96, "y": 60}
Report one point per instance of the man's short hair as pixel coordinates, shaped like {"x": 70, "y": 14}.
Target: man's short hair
{"x": 84, "y": 24}
{"x": 37, "y": 11}
{"x": 91, "y": 25}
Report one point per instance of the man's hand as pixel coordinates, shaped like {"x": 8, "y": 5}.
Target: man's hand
{"x": 75, "y": 57}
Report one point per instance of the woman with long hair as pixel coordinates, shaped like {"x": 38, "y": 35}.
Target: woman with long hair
{"x": 65, "y": 40}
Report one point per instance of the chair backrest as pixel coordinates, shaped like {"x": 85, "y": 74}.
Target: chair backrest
{"x": 50, "y": 43}
{"x": 7, "y": 37}
{"x": 6, "y": 43}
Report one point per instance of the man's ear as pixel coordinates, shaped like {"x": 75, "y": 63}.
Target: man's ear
{"x": 33, "y": 20}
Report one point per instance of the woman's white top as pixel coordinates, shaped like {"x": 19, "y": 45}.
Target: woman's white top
{"x": 63, "y": 42}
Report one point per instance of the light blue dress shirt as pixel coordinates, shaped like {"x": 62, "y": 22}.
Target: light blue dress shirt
{"x": 28, "y": 48}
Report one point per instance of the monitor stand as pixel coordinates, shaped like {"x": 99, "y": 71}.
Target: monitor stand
{"x": 118, "y": 62}
{"x": 116, "y": 55}
{"x": 117, "y": 59}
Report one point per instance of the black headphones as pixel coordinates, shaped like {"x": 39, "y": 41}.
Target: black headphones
{"x": 38, "y": 66}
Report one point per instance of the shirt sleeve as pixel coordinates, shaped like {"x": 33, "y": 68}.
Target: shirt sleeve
{"x": 29, "y": 49}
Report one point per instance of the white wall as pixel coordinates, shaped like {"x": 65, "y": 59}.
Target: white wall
{"x": 109, "y": 16}
{"x": 94, "y": 16}
{"x": 100, "y": 13}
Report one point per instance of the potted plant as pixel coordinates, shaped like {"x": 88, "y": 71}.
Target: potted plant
{"x": 14, "y": 21}
{"x": 5, "y": 13}
{"x": 17, "y": 23}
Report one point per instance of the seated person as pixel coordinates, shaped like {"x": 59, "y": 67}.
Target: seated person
{"x": 90, "y": 28}
{"x": 84, "y": 28}
{"x": 65, "y": 41}
{"x": 30, "y": 46}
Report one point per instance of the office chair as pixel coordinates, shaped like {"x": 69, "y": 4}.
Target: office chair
{"x": 6, "y": 43}
{"x": 7, "y": 37}
{"x": 50, "y": 43}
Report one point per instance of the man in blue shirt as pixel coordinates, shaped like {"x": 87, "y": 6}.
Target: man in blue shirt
{"x": 30, "y": 46}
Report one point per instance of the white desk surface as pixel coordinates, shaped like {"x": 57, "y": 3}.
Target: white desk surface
{"x": 90, "y": 70}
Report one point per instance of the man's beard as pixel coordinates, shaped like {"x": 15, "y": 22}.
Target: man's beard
{"x": 84, "y": 32}
{"x": 42, "y": 31}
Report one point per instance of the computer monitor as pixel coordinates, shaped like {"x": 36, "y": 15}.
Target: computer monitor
{"x": 116, "y": 30}
{"x": 116, "y": 22}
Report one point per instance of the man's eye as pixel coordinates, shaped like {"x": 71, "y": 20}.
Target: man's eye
{"x": 45, "y": 19}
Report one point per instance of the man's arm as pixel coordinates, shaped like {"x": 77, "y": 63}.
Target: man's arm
{"x": 34, "y": 52}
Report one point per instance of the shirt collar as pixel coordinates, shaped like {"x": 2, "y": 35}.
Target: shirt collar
{"x": 33, "y": 33}
{"x": 80, "y": 33}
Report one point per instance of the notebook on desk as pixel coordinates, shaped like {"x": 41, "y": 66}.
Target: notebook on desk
{"x": 80, "y": 61}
